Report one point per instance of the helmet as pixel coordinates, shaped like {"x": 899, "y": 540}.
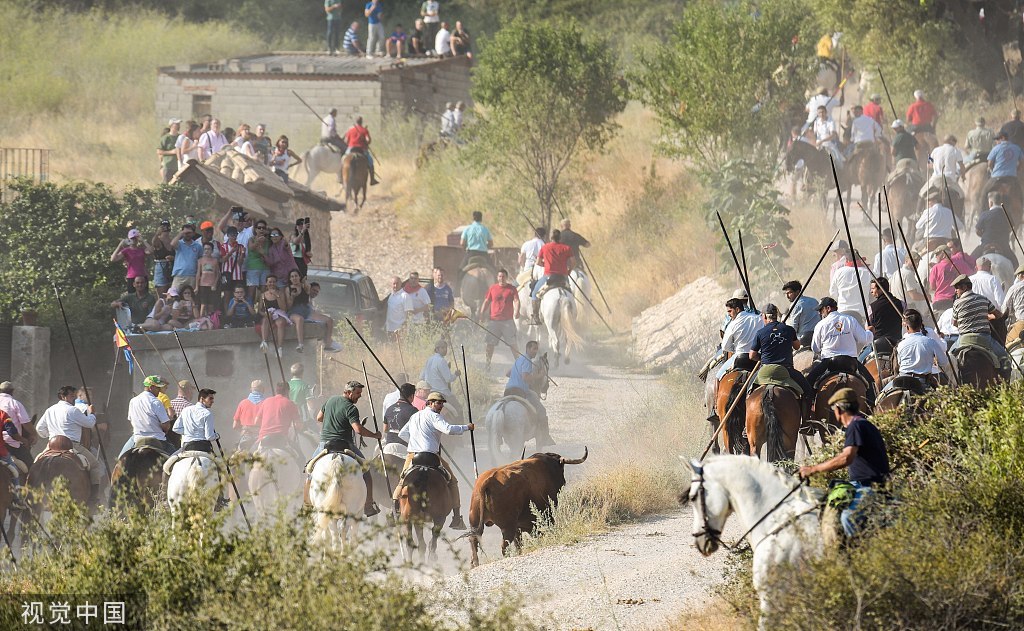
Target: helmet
{"x": 436, "y": 396}
{"x": 154, "y": 380}
{"x": 844, "y": 395}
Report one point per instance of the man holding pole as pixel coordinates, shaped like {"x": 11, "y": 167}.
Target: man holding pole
{"x": 148, "y": 417}
{"x": 64, "y": 419}
{"x": 837, "y": 340}
{"x": 340, "y": 420}
{"x": 522, "y": 382}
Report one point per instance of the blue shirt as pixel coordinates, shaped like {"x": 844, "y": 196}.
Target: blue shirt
{"x": 775, "y": 344}
{"x": 350, "y": 41}
{"x": 523, "y": 366}
{"x": 443, "y": 298}
{"x": 803, "y": 317}
{"x": 186, "y": 255}
{"x": 374, "y": 17}
{"x": 1005, "y": 156}
{"x": 476, "y": 237}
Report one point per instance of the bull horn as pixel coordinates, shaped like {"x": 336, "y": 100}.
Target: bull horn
{"x": 576, "y": 460}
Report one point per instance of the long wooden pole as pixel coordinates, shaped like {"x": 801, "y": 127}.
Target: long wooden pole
{"x": 736, "y": 262}
{"x": 896, "y": 250}
{"x": 469, "y": 409}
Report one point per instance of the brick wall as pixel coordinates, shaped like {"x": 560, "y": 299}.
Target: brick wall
{"x": 424, "y": 89}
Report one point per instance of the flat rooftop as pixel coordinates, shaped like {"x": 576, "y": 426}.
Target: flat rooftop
{"x": 293, "y": 63}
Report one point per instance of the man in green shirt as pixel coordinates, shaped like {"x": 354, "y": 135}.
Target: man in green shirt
{"x": 299, "y": 391}
{"x": 904, "y": 145}
{"x": 340, "y": 419}
{"x": 140, "y": 302}
{"x": 333, "y": 10}
{"x": 167, "y": 153}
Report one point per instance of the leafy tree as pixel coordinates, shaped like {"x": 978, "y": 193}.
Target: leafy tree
{"x": 548, "y": 94}
{"x": 727, "y": 78}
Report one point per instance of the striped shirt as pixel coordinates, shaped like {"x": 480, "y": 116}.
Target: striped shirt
{"x": 970, "y": 313}
{"x": 1013, "y": 302}
{"x": 232, "y": 260}
{"x": 351, "y": 41}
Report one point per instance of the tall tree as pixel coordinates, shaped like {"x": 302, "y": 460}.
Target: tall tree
{"x": 548, "y": 95}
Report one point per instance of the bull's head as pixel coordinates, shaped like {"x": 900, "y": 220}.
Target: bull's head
{"x": 566, "y": 461}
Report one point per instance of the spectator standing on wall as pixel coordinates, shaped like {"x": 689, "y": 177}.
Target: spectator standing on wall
{"x": 132, "y": 251}
{"x": 261, "y": 142}
{"x": 443, "y": 42}
{"x": 460, "y": 40}
{"x": 187, "y": 144}
{"x": 211, "y": 141}
{"x": 333, "y": 10}
{"x": 430, "y": 11}
{"x": 374, "y": 29}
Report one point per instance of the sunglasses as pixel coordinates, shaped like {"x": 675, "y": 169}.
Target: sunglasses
{"x": 276, "y": 234}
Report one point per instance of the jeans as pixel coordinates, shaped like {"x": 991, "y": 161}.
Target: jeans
{"x": 333, "y": 34}
{"x": 853, "y": 516}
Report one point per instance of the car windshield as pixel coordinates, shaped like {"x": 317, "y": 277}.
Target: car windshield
{"x": 335, "y": 297}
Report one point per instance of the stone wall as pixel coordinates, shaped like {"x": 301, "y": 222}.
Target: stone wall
{"x": 682, "y": 329}
{"x": 424, "y": 89}
{"x": 30, "y": 367}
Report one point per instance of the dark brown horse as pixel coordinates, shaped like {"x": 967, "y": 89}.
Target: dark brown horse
{"x": 381, "y": 493}
{"x": 355, "y": 173}
{"x": 832, "y": 384}
{"x": 976, "y": 368}
{"x": 773, "y": 422}
{"x": 424, "y": 498}
{"x": 730, "y": 387}
{"x": 138, "y": 477}
{"x": 866, "y": 168}
{"x": 58, "y": 461}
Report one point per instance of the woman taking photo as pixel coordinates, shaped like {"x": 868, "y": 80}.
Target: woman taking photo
{"x": 132, "y": 251}
{"x": 279, "y": 256}
{"x": 299, "y": 307}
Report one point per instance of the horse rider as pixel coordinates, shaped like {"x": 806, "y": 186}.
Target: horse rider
{"x": 358, "y": 140}
{"x": 18, "y": 432}
{"x": 921, "y": 114}
{"x": 848, "y": 285}
{"x": 439, "y": 375}
{"x": 826, "y": 135}
{"x": 573, "y": 239}
{"x": 1014, "y": 128}
{"x": 887, "y": 262}
{"x": 329, "y": 132}
{"x": 477, "y": 240}
{"x": 558, "y": 262}
{"x": 979, "y": 143}
{"x": 64, "y": 419}
{"x": 17, "y": 500}
{"x": 528, "y": 253}
{"x": 195, "y": 424}
{"x": 947, "y": 160}
{"x": 1004, "y": 161}
{"x": 837, "y": 340}
{"x": 525, "y": 383}
{"x": 395, "y": 418}
{"x": 865, "y": 131}
{"x": 276, "y": 418}
{"x": 738, "y": 338}
{"x": 873, "y": 108}
{"x": 822, "y": 100}
{"x": 340, "y": 419}
{"x": 886, "y": 321}
{"x": 904, "y": 145}
{"x": 972, "y": 315}
{"x": 802, "y": 313}
{"x": 917, "y": 355}
{"x": 149, "y": 419}
{"x": 863, "y": 453}
{"x": 773, "y": 345}
{"x": 423, "y": 435}
{"x": 993, "y": 228}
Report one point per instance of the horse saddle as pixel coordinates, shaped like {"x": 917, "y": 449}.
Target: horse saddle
{"x": 909, "y": 383}
{"x": 972, "y": 341}
{"x": 68, "y": 454}
{"x": 171, "y": 461}
{"x": 509, "y": 398}
{"x": 324, "y": 452}
{"x": 478, "y": 261}
{"x": 420, "y": 467}
{"x": 776, "y": 375}
{"x": 326, "y": 142}
{"x": 427, "y": 461}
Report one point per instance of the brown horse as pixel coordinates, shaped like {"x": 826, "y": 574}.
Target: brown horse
{"x": 381, "y": 492}
{"x": 976, "y": 178}
{"x": 903, "y": 197}
{"x": 424, "y": 498}
{"x": 867, "y": 166}
{"x": 138, "y": 477}
{"x": 832, "y": 384}
{"x": 58, "y": 461}
{"x": 926, "y": 143}
{"x": 355, "y": 173}
{"x": 773, "y": 419}
{"x": 473, "y": 288}
{"x": 730, "y": 387}
{"x": 885, "y": 364}
{"x": 976, "y": 369}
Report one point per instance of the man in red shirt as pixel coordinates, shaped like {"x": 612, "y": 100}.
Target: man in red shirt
{"x": 558, "y": 262}
{"x": 245, "y": 416}
{"x": 921, "y": 115}
{"x": 275, "y": 417}
{"x": 504, "y": 302}
{"x": 874, "y": 110}
{"x": 358, "y": 140}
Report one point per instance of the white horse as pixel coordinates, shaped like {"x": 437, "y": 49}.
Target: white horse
{"x": 274, "y": 478}
{"x": 321, "y": 159}
{"x": 558, "y": 311}
{"x": 509, "y": 422}
{"x": 781, "y": 524}
{"x": 338, "y": 494}
{"x": 582, "y": 287}
{"x": 192, "y": 475}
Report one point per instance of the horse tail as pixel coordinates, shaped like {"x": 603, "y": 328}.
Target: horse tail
{"x": 573, "y": 340}
{"x": 493, "y": 421}
{"x": 773, "y": 428}
{"x": 735, "y": 424}
{"x": 305, "y": 166}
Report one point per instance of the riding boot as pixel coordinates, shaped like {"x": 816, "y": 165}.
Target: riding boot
{"x": 456, "y": 500}
{"x": 371, "y": 507}
{"x": 305, "y": 493}
{"x": 373, "y": 178}
{"x": 534, "y": 312}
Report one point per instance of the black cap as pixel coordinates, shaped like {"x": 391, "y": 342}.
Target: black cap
{"x": 827, "y": 301}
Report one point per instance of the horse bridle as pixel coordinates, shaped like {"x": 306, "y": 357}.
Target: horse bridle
{"x": 716, "y": 535}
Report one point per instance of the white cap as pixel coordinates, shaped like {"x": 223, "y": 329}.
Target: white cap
{"x": 174, "y": 121}
{"x": 897, "y": 123}
{"x": 918, "y": 94}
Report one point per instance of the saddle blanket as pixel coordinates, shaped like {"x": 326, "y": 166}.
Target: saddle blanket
{"x": 324, "y": 452}
{"x": 170, "y": 462}
{"x": 775, "y": 375}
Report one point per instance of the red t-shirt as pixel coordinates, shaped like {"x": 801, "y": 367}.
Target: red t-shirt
{"x": 873, "y": 110}
{"x": 502, "y": 301}
{"x": 357, "y": 137}
{"x": 245, "y": 413}
{"x": 556, "y": 258}
{"x": 921, "y": 113}
{"x": 276, "y": 415}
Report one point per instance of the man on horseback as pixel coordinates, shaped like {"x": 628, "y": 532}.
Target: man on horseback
{"x": 423, "y": 435}
{"x": 1004, "y": 161}
{"x": 438, "y": 373}
{"x": 64, "y": 419}
{"x": 918, "y": 355}
{"x": 773, "y": 345}
{"x": 573, "y": 239}
{"x": 340, "y": 419}
{"x": 837, "y": 341}
{"x": 904, "y": 145}
{"x": 947, "y": 160}
{"x": 329, "y": 132}
{"x": 979, "y": 143}
{"x": 921, "y": 114}
{"x": 873, "y": 108}
{"x": 865, "y": 131}
{"x": 826, "y": 135}
{"x": 887, "y": 262}
{"x": 803, "y": 313}
{"x": 886, "y": 320}
{"x": 18, "y": 432}
{"x": 358, "y": 140}
{"x": 529, "y": 251}
{"x": 477, "y": 240}
{"x": 993, "y": 227}
{"x": 523, "y": 383}
{"x": 395, "y": 418}
{"x": 558, "y": 261}
{"x": 822, "y": 100}
{"x": 863, "y": 452}
{"x": 738, "y": 338}
{"x": 148, "y": 417}
{"x": 277, "y": 417}
{"x": 1014, "y": 129}
{"x": 848, "y": 285}
{"x": 972, "y": 316}
{"x": 195, "y": 424}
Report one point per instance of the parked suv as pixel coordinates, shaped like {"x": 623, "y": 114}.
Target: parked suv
{"x": 347, "y": 292}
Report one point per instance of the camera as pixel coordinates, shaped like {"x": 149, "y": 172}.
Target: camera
{"x": 166, "y": 222}
{"x": 238, "y": 212}
{"x": 307, "y": 221}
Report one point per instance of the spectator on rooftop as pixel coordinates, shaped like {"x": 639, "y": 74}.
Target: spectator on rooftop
{"x": 211, "y": 141}
{"x": 430, "y": 12}
{"x": 395, "y": 45}
{"x": 461, "y": 40}
{"x": 232, "y": 263}
{"x": 206, "y": 236}
{"x": 240, "y": 312}
{"x": 184, "y": 310}
{"x": 187, "y": 251}
{"x": 243, "y": 143}
{"x": 443, "y": 41}
{"x": 279, "y": 256}
{"x": 163, "y": 257}
{"x": 262, "y": 144}
{"x": 333, "y": 10}
{"x": 374, "y": 29}
{"x": 159, "y": 317}
{"x": 417, "y": 47}
{"x": 351, "y": 43}
{"x": 283, "y": 158}
{"x": 139, "y": 302}
{"x": 208, "y": 273}
{"x": 132, "y": 251}
{"x": 166, "y": 152}
{"x": 273, "y": 304}
{"x": 187, "y": 144}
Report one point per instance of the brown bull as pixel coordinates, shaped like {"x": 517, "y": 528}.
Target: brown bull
{"x": 502, "y": 497}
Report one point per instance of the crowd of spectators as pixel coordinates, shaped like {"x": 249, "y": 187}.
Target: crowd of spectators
{"x": 430, "y": 37}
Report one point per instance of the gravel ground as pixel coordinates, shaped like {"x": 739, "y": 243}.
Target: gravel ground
{"x": 376, "y": 241}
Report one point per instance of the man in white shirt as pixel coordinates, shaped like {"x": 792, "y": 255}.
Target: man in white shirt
{"x": 211, "y": 141}
{"x": 148, "y": 418}
{"x": 918, "y": 354}
{"x": 195, "y": 424}
{"x": 423, "y": 435}
{"x": 849, "y": 286}
{"x": 1013, "y": 302}
{"x": 395, "y": 308}
{"x": 443, "y": 41}
{"x": 888, "y": 261}
{"x": 20, "y": 434}
{"x": 438, "y": 374}
{"x": 840, "y": 250}
{"x": 826, "y": 136}
{"x": 392, "y": 397}
{"x": 837, "y": 341}
{"x": 529, "y": 251}
{"x": 903, "y": 284}
{"x": 64, "y": 419}
{"x": 448, "y": 121}
{"x": 739, "y": 335}
{"x": 985, "y": 283}
{"x": 865, "y": 130}
{"x": 946, "y": 159}
{"x": 936, "y": 223}
{"x": 822, "y": 99}
{"x": 417, "y": 300}
{"x": 329, "y": 131}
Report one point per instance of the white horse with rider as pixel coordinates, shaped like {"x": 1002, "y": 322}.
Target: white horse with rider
{"x": 558, "y": 312}
{"x": 192, "y": 476}
{"x": 338, "y": 495}
{"x": 274, "y": 480}
{"x": 779, "y": 516}
{"x": 513, "y": 419}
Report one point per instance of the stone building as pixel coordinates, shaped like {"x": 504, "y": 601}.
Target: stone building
{"x": 258, "y": 89}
